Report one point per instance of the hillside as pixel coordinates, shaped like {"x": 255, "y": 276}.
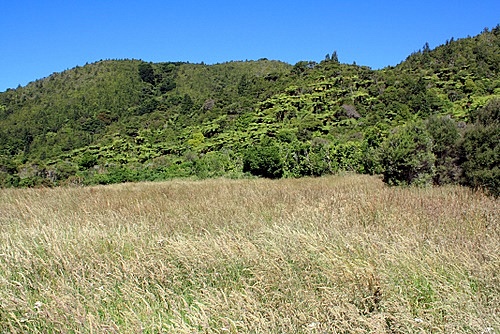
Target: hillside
{"x": 431, "y": 119}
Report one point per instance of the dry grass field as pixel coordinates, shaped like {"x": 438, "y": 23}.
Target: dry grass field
{"x": 340, "y": 254}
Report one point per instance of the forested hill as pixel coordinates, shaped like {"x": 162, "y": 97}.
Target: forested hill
{"x": 434, "y": 118}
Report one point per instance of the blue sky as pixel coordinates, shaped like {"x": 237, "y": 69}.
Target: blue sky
{"x": 39, "y": 37}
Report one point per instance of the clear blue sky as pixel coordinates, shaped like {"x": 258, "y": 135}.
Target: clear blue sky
{"x": 39, "y": 37}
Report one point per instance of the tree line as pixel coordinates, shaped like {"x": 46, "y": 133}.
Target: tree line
{"x": 433, "y": 119}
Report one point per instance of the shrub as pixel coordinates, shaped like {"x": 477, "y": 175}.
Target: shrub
{"x": 8, "y": 173}
{"x": 406, "y": 156}
{"x": 216, "y": 164}
{"x": 87, "y": 160}
{"x": 8, "y": 180}
{"x": 115, "y": 174}
{"x": 263, "y": 160}
{"x": 444, "y": 133}
{"x": 480, "y": 150}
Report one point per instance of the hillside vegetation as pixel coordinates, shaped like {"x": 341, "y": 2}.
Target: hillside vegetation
{"x": 337, "y": 254}
{"x": 433, "y": 119}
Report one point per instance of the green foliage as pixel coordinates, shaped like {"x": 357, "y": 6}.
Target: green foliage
{"x": 116, "y": 174}
{"x": 146, "y": 73}
{"x": 218, "y": 164}
{"x": 8, "y": 180}
{"x": 87, "y": 160}
{"x": 406, "y": 156}
{"x": 63, "y": 171}
{"x": 196, "y": 141}
{"x": 445, "y": 136}
{"x": 130, "y": 120}
{"x": 8, "y": 173}
{"x": 480, "y": 150}
{"x": 263, "y": 159}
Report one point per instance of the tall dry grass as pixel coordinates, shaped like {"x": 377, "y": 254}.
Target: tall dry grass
{"x": 326, "y": 255}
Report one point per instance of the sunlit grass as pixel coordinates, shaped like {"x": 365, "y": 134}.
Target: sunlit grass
{"x": 313, "y": 255}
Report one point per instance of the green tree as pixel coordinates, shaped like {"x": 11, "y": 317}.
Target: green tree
{"x": 444, "y": 133}
{"x": 335, "y": 57}
{"x": 87, "y": 160}
{"x": 480, "y": 150}
{"x": 147, "y": 73}
{"x": 244, "y": 85}
{"x": 406, "y": 156}
{"x": 263, "y": 160}
{"x": 187, "y": 103}
{"x": 8, "y": 173}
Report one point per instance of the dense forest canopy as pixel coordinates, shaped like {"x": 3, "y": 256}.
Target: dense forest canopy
{"x": 433, "y": 119}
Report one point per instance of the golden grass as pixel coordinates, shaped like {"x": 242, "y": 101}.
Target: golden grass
{"x": 314, "y": 255}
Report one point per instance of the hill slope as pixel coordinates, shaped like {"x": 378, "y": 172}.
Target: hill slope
{"x": 127, "y": 120}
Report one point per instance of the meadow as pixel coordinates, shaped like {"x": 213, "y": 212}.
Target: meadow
{"x": 337, "y": 254}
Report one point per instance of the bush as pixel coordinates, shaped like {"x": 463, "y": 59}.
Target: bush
{"x": 216, "y": 164}
{"x": 480, "y": 150}
{"x": 115, "y": 174}
{"x": 263, "y": 160}
{"x": 8, "y": 180}
{"x": 87, "y": 160}
{"x": 8, "y": 173}
{"x": 444, "y": 133}
{"x": 406, "y": 156}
